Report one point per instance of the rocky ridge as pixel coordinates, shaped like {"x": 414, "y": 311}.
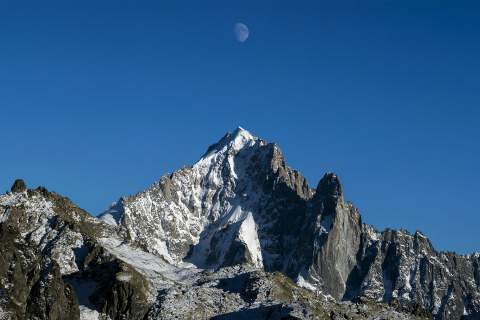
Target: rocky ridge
{"x": 239, "y": 234}
{"x": 52, "y": 266}
{"x": 242, "y": 204}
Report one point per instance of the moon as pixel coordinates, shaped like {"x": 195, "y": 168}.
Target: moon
{"x": 241, "y": 32}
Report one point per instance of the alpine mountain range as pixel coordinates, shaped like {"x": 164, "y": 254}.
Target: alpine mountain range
{"x": 237, "y": 235}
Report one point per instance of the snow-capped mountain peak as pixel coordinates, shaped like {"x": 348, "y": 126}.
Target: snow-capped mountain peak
{"x": 179, "y": 216}
{"x": 233, "y": 142}
{"x": 209, "y": 213}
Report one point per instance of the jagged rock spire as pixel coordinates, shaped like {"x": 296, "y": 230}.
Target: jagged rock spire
{"x": 330, "y": 186}
{"x": 235, "y": 140}
{"x": 19, "y": 186}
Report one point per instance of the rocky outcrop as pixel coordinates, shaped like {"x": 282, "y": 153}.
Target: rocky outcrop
{"x": 51, "y": 298}
{"x": 336, "y": 238}
{"x": 19, "y": 186}
{"x": 399, "y": 267}
{"x": 116, "y": 289}
{"x": 50, "y": 263}
{"x": 244, "y": 293}
{"x": 31, "y": 285}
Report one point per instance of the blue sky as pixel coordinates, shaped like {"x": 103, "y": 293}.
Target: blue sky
{"x": 98, "y": 99}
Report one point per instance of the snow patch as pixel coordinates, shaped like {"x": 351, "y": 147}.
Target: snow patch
{"x": 88, "y": 314}
{"x": 124, "y": 277}
{"x": 301, "y": 282}
{"x": 113, "y": 214}
{"x": 160, "y": 273}
{"x": 248, "y": 234}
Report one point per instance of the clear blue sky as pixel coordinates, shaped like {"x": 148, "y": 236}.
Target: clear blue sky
{"x": 98, "y": 99}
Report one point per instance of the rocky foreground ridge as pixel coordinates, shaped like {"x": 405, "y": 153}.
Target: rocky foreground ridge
{"x": 237, "y": 235}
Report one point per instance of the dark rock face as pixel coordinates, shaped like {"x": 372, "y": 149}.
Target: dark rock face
{"x": 329, "y": 187}
{"x": 121, "y": 291}
{"x": 403, "y": 268}
{"x": 51, "y": 298}
{"x": 337, "y": 237}
{"x": 19, "y": 186}
{"x": 33, "y": 286}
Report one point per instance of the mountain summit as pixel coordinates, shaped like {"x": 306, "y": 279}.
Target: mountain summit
{"x": 237, "y": 234}
{"x": 210, "y": 213}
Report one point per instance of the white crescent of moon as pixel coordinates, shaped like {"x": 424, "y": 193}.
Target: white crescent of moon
{"x": 241, "y": 32}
